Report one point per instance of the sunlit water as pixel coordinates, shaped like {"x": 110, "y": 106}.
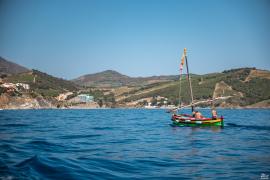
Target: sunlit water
{"x": 131, "y": 144}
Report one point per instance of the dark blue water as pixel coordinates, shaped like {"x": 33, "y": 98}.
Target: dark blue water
{"x": 136, "y": 144}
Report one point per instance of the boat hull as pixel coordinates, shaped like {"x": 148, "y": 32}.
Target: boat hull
{"x": 180, "y": 120}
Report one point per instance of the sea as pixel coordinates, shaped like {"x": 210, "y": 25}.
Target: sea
{"x": 132, "y": 144}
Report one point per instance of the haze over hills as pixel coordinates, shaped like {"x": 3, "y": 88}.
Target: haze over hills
{"x": 7, "y": 67}
{"x": 111, "y": 78}
{"x": 249, "y": 87}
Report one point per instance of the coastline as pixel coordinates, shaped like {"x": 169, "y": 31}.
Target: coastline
{"x": 126, "y": 108}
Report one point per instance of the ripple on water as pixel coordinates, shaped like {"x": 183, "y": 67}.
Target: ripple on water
{"x": 136, "y": 144}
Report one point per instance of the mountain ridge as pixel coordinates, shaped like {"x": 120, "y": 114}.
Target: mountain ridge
{"x": 249, "y": 87}
{"x": 8, "y": 67}
{"x": 112, "y": 78}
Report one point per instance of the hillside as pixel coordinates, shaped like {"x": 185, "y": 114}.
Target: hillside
{"x": 102, "y": 79}
{"x": 42, "y": 83}
{"x": 112, "y": 78}
{"x": 33, "y": 89}
{"x": 7, "y": 67}
{"x": 246, "y": 87}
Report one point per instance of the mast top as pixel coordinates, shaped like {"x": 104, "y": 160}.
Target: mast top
{"x": 185, "y": 51}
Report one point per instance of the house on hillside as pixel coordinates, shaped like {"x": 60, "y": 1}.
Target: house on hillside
{"x": 86, "y": 98}
{"x": 23, "y": 85}
{"x": 82, "y": 98}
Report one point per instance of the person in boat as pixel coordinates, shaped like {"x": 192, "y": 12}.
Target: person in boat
{"x": 198, "y": 115}
{"x": 193, "y": 114}
{"x": 214, "y": 113}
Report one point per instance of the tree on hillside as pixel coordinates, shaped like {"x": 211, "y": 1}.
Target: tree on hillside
{"x": 154, "y": 101}
{"x": 100, "y": 102}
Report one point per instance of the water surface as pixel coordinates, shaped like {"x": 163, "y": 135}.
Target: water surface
{"x": 136, "y": 144}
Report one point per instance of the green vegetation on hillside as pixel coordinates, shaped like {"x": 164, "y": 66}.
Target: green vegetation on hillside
{"x": 112, "y": 78}
{"x": 246, "y": 85}
{"x": 43, "y": 84}
{"x": 254, "y": 90}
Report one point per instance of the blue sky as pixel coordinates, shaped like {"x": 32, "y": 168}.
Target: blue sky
{"x": 69, "y": 38}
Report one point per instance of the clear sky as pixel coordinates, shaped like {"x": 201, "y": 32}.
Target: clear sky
{"x": 69, "y": 38}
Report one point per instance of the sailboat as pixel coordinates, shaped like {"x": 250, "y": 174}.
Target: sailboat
{"x": 193, "y": 120}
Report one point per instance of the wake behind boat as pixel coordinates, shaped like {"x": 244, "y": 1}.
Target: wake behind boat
{"x": 195, "y": 119}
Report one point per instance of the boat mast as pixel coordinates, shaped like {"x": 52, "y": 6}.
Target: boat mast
{"x": 179, "y": 95}
{"x": 180, "y": 78}
{"x": 190, "y": 87}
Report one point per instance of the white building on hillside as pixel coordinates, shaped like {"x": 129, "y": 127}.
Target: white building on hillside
{"x": 25, "y": 86}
